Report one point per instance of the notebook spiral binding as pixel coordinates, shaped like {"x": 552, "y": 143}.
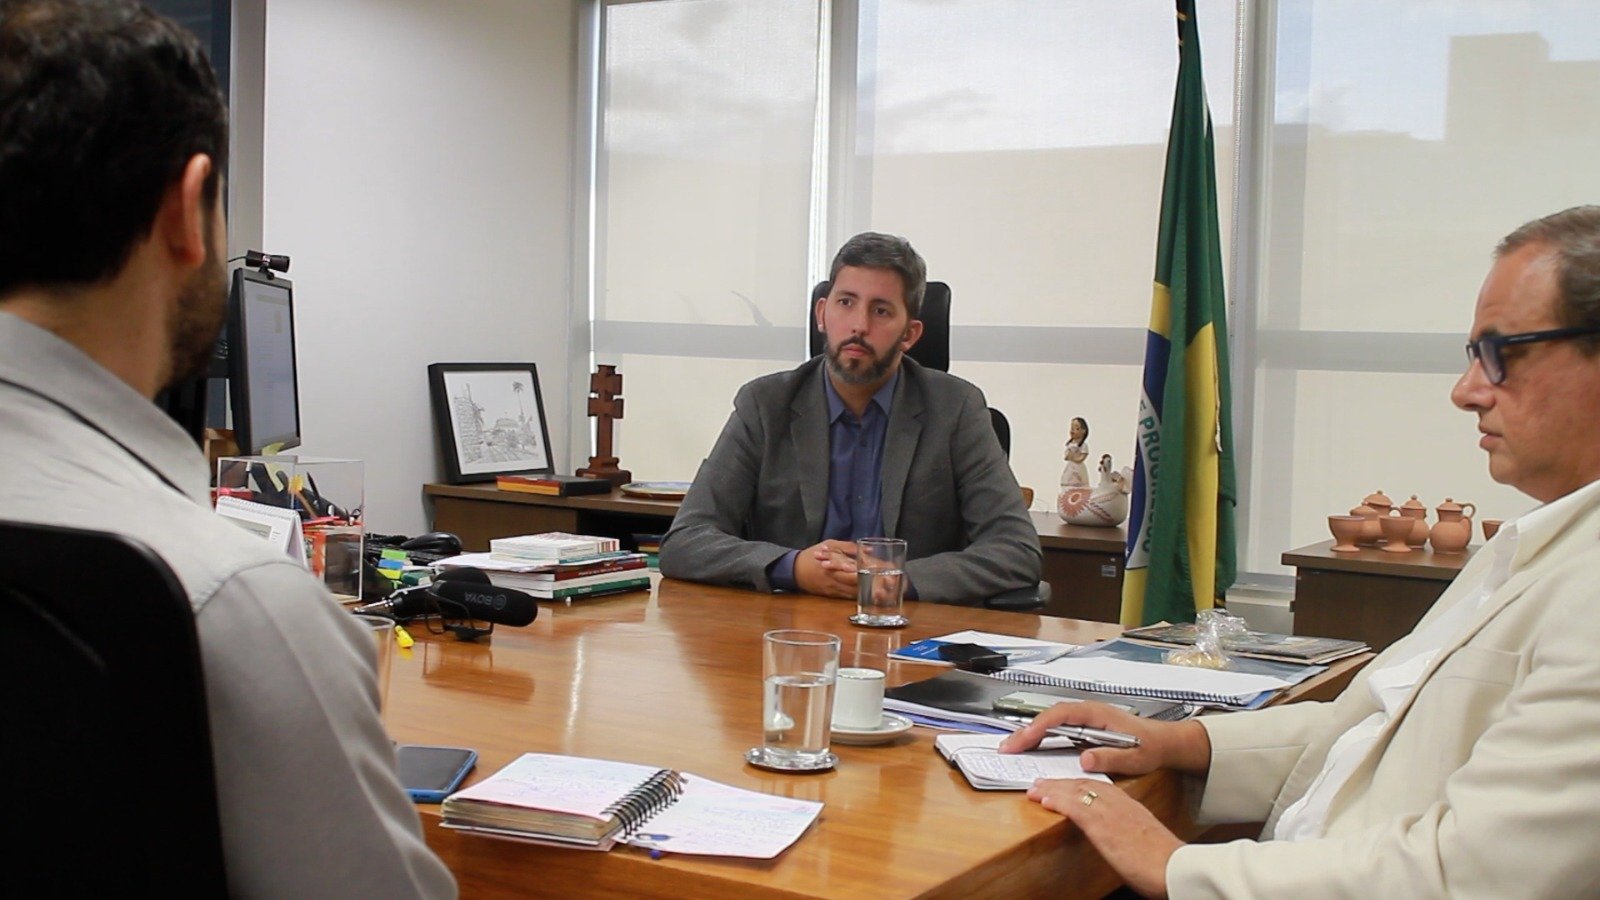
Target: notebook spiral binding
{"x": 1127, "y": 690}
{"x": 638, "y": 805}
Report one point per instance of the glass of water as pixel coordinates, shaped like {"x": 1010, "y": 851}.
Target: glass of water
{"x": 880, "y": 582}
{"x": 798, "y": 671}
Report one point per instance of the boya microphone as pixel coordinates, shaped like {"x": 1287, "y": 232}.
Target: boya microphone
{"x": 478, "y": 599}
{"x": 488, "y": 603}
{"x": 466, "y": 574}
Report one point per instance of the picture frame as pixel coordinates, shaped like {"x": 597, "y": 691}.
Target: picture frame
{"x": 490, "y": 420}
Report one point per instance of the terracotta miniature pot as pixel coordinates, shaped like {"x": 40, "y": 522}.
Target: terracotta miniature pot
{"x": 1490, "y": 528}
{"x": 1396, "y": 529}
{"x": 1346, "y": 529}
{"x": 1371, "y": 531}
{"x": 1379, "y": 501}
{"x": 1453, "y": 531}
{"x": 1414, "y": 510}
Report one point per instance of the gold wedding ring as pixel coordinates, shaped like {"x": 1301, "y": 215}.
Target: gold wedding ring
{"x": 1088, "y": 798}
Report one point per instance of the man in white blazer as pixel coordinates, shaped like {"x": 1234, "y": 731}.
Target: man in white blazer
{"x": 1464, "y": 761}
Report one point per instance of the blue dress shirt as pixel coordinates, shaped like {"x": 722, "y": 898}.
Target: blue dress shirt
{"x": 855, "y": 473}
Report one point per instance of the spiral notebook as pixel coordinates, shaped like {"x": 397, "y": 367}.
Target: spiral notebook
{"x": 1156, "y": 680}
{"x": 594, "y": 804}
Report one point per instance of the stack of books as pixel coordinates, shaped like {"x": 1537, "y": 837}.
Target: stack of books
{"x": 551, "y": 546}
{"x": 552, "y": 485}
{"x": 650, "y": 545}
{"x": 609, "y": 573}
{"x": 560, "y": 566}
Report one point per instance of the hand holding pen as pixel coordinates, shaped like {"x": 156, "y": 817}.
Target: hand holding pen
{"x": 1122, "y": 743}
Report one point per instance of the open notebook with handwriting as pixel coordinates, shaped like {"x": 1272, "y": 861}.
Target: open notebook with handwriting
{"x": 594, "y": 804}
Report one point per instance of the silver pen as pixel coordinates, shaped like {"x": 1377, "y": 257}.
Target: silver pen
{"x": 1096, "y": 736}
{"x": 1085, "y": 735}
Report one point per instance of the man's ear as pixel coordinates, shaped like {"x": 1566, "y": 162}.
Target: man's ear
{"x": 817, "y": 308}
{"x": 912, "y": 335}
{"x": 182, "y": 221}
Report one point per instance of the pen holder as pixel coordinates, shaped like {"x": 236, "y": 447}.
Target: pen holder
{"x": 326, "y": 495}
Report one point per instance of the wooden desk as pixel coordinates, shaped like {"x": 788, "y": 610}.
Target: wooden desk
{"x": 1369, "y": 595}
{"x": 1082, "y": 565}
{"x": 672, "y": 679}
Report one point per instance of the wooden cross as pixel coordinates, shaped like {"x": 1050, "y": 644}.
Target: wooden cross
{"x": 605, "y": 405}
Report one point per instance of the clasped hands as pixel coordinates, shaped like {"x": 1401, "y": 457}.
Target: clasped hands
{"x": 1128, "y": 835}
{"x": 827, "y": 569}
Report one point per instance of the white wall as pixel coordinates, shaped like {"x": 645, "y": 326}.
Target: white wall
{"x": 418, "y": 168}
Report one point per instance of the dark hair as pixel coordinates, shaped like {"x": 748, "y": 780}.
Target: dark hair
{"x": 871, "y": 250}
{"x": 1573, "y": 236}
{"x": 102, "y": 104}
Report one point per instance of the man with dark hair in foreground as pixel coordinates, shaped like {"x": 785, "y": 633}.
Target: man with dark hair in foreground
{"x": 112, "y": 140}
{"x": 1463, "y": 761}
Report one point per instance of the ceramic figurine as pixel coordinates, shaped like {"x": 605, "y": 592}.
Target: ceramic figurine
{"x": 1104, "y": 506}
{"x": 1076, "y": 474}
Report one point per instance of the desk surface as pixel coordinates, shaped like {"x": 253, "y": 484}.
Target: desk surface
{"x": 672, "y": 678}
{"x": 1053, "y": 533}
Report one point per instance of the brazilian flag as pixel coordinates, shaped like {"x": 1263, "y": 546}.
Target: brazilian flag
{"x": 1180, "y": 555}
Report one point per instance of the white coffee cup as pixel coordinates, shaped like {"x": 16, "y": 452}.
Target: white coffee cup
{"x": 858, "y": 699}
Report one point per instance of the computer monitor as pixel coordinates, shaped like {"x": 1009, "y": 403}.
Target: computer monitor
{"x": 262, "y": 382}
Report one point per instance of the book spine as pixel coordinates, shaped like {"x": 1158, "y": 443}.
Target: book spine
{"x": 586, "y": 571}
{"x": 636, "y": 807}
{"x": 609, "y": 587}
{"x": 547, "y": 490}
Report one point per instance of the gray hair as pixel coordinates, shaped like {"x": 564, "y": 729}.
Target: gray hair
{"x": 1573, "y": 236}
{"x": 871, "y": 250}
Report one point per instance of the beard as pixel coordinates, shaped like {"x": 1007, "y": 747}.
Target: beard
{"x": 866, "y": 371}
{"x": 196, "y": 321}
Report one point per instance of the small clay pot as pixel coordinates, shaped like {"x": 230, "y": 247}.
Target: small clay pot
{"x": 1414, "y": 510}
{"x": 1490, "y": 527}
{"x": 1371, "y": 531}
{"x": 1346, "y": 529}
{"x": 1396, "y": 529}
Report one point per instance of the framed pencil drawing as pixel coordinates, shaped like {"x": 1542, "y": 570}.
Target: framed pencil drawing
{"x": 490, "y": 420}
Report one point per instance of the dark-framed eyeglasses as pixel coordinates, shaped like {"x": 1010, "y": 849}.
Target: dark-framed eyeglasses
{"x": 1489, "y": 350}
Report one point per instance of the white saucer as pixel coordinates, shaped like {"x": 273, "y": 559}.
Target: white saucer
{"x": 889, "y": 727}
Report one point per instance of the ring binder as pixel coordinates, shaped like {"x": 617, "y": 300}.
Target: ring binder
{"x": 1175, "y": 696}
{"x": 638, "y": 805}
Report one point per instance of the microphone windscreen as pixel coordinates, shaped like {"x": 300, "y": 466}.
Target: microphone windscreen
{"x": 466, "y": 574}
{"x": 488, "y": 603}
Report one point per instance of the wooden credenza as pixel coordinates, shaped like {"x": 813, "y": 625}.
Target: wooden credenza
{"x": 1083, "y": 566}
{"x": 1369, "y": 595}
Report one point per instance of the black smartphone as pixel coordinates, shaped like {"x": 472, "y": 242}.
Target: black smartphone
{"x": 972, "y": 657}
{"x": 429, "y": 774}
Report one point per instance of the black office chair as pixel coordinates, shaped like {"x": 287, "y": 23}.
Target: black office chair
{"x": 107, "y": 746}
{"x": 933, "y": 352}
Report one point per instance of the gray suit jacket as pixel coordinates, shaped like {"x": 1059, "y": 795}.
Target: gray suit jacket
{"x": 947, "y": 489}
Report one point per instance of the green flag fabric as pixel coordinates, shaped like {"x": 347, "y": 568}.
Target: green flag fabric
{"x": 1181, "y": 541}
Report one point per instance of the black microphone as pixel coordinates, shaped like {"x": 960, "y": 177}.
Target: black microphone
{"x": 462, "y": 590}
{"x": 464, "y": 574}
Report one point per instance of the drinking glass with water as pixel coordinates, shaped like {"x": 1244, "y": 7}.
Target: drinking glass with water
{"x": 880, "y": 582}
{"x": 798, "y": 672}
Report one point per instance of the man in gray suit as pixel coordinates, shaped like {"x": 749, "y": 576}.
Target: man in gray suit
{"x": 858, "y": 442}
